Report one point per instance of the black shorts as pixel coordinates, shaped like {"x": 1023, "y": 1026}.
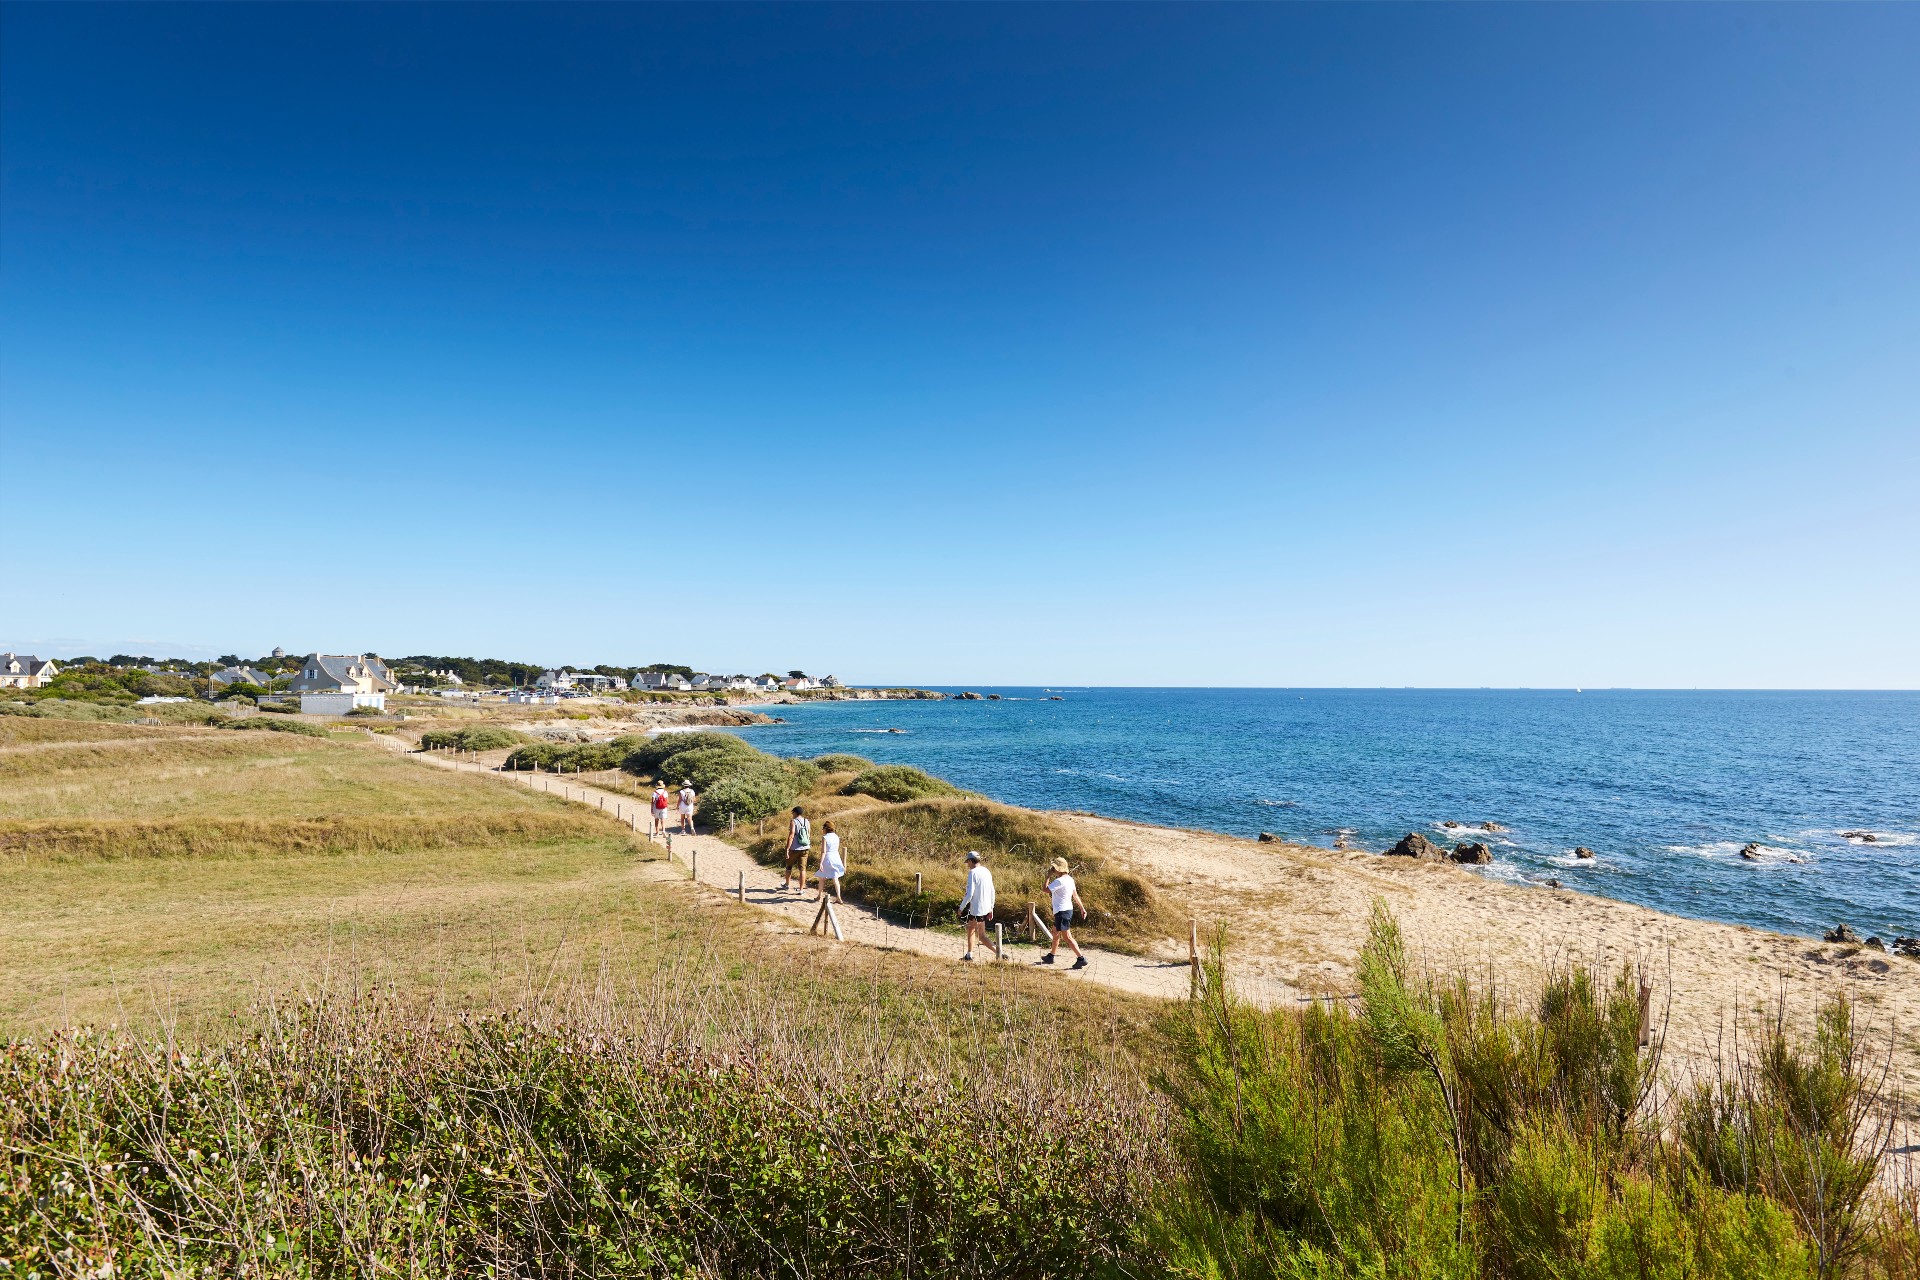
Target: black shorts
{"x": 1063, "y": 919}
{"x": 982, "y": 919}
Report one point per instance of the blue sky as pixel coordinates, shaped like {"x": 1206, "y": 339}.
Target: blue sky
{"x": 1270, "y": 345}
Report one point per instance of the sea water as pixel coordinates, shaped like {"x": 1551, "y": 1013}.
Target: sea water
{"x": 1667, "y": 788}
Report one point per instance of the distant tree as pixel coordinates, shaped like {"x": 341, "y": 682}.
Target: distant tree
{"x": 128, "y": 660}
{"x": 796, "y": 675}
{"x": 229, "y": 659}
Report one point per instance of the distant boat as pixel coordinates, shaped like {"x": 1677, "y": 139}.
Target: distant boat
{"x": 1576, "y": 691}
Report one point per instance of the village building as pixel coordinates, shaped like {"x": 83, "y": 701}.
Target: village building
{"x": 239, "y": 675}
{"x": 335, "y": 683}
{"x": 24, "y": 671}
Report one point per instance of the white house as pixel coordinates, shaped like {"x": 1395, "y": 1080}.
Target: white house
{"x": 335, "y": 683}
{"x": 597, "y": 682}
{"x": 561, "y": 679}
{"x": 24, "y": 671}
{"x": 798, "y": 683}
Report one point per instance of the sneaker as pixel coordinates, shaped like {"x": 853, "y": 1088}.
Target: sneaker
{"x": 968, "y": 956}
{"x": 1045, "y": 959}
{"x": 1081, "y": 963}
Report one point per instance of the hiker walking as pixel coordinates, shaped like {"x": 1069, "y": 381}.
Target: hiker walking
{"x": 832, "y": 865}
{"x": 976, "y": 908}
{"x": 659, "y": 808}
{"x": 686, "y": 807}
{"x": 799, "y": 845}
{"x": 1066, "y": 900}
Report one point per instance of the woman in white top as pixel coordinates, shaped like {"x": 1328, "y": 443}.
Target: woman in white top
{"x": 686, "y": 808}
{"x": 1066, "y": 900}
{"x": 832, "y": 865}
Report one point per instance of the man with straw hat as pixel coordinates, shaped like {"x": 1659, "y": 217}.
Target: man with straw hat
{"x": 1066, "y": 900}
{"x": 976, "y": 907}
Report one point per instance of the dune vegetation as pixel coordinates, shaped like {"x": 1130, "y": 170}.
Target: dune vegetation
{"x": 308, "y": 1008}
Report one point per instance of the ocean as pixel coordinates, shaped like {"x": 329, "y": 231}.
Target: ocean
{"x": 1666, "y": 787}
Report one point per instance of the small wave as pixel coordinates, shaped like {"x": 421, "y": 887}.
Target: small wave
{"x": 1866, "y": 838}
{"x": 1725, "y": 850}
{"x": 876, "y": 731}
{"x": 1279, "y": 804}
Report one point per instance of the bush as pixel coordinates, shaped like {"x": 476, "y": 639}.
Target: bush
{"x": 748, "y": 796}
{"x": 302, "y": 727}
{"x": 366, "y": 711}
{"x": 841, "y": 762}
{"x": 478, "y": 738}
{"x": 707, "y": 767}
{"x": 645, "y": 758}
{"x": 569, "y": 757}
{"x": 898, "y": 783}
{"x": 366, "y": 1138}
{"x": 1482, "y": 1139}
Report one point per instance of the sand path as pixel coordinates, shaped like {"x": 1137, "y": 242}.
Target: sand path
{"x": 710, "y": 865}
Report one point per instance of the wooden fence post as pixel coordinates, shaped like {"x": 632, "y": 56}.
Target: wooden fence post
{"x": 742, "y": 890}
{"x": 999, "y": 942}
{"x": 919, "y": 891}
{"x": 1039, "y": 924}
{"x": 694, "y": 863}
{"x": 1646, "y": 1007}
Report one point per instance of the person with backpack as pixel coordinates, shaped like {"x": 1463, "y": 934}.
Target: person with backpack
{"x": 1066, "y": 900}
{"x": 659, "y": 808}
{"x": 799, "y": 845}
{"x": 976, "y": 906}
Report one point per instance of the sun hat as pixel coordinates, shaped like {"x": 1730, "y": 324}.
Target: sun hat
{"x": 1058, "y": 864}
{"x": 973, "y": 855}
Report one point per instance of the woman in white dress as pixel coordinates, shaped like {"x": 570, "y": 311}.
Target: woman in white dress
{"x": 832, "y": 865}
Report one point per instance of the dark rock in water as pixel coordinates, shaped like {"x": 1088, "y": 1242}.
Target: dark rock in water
{"x": 1475, "y": 854}
{"x": 993, "y": 697}
{"x": 1491, "y": 826}
{"x": 1908, "y": 947}
{"x": 1415, "y": 845}
{"x": 1581, "y": 851}
{"x": 1876, "y": 944}
{"x": 1865, "y": 837}
{"x": 1450, "y": 824}
{"x": 1056, "y": 698}
{"x": 1751, "y": 851}
{"x": 1841, "y": 933}
{"x": 968, "y": 696}
{"x": 1553, "y": 884}
{"x": 1267, "y": 837}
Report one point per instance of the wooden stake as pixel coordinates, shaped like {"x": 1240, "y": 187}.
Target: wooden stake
{"x": 1646, "y": 1006}
{"x": 1039, "y": 924}
{"x": 919, "y": 890}
{"x": 694, "y": 863}
{"x": 832, "y": 918}
{"x": 742, "y": 890}
{"x": 999, "y": 942}
{"x": 1193, "y": 959}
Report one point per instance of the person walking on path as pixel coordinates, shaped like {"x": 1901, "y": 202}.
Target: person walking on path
{"x": 799, "y": 845}
{"x": 1066, "y": 900}
{"x": 686, "y": 807}
{"x": 976, "y": 908}
{"x": 659, "y": 808}
{"x": 832, "y": 865}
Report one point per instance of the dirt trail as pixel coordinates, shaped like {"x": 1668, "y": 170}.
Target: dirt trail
{"x": 712, "y": 865}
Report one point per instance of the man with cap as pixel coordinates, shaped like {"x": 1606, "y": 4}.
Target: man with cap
{"x": 976, "y": 907}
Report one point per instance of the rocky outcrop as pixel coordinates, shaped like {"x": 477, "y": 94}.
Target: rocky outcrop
{"x": 1267, "y": 837}
{"x": 1491, "y": 826}
{"x": 1908, "y": 947}
{"x": 993, "y": 697}
{"x": 1864, "y": 837}
{"x": 1473, "y": 854}
{"x": 1751, "y": 851}
{"x": 1415, "y": 845}
{"x": 1450, "y": 824}
{"x": 1841, "y": 933}
{"x": 968, "y": 696}
{"x": 1581, "y": 851}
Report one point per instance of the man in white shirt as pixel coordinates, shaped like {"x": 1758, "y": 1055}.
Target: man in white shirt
{"x": 976, "y": 907}
{"x": 1065, "y": 895}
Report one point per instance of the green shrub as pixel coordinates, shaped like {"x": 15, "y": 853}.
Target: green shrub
{"x": 303, "y": 727}
{"x": 569, "y": 757}
{"x": 477, "y": 738}
{"x": 747, "y": 796}
{"x": 841, "y": 762}
{"x": 374, "y": 1140}
{"x": 706, "y": 767}
{"x": 366, "y": 711}
{"x": 898, "y": 783}
{"x": 646, "y": 755}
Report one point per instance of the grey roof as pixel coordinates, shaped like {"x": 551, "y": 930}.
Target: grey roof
{"x": 241, "y": 675}
{"x": 333, "y": 669}
{"x": 29, "y": 665}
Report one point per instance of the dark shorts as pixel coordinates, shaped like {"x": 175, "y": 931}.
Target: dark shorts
{"x": 982, "y": 919}
{"x": 1063, "y": 919}
{"x": 796, "y": 856}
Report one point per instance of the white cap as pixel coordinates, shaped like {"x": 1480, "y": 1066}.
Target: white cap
{"x": 973, "y": 855}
